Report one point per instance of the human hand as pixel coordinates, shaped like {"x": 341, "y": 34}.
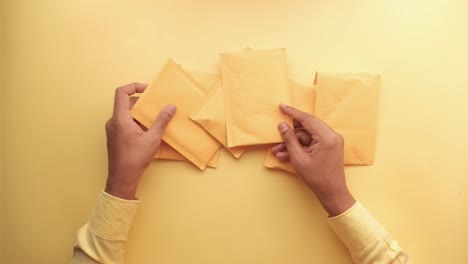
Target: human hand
{"x": 130, "y": 148}
{"x": 316, "y": 153}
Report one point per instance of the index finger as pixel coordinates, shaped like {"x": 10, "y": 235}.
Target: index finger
{"x": 311, "y": 124}
{"x": 122, "y": 96}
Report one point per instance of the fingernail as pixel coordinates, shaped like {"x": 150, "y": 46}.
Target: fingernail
{"x": 282, "y": 105}
{"x": 282, "y": 127}
{"x": 171, "y": 109}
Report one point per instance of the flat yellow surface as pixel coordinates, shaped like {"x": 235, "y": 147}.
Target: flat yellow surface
{"x": 63, "y": 60}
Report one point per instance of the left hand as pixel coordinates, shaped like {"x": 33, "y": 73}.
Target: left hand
{"x": 130, "y": 148}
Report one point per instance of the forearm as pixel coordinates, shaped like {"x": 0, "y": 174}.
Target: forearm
{"x": 366, "y": 240}
{"x": 103, "y": 238}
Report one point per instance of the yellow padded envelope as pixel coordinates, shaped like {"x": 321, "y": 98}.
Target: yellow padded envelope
{"x": 212, "y": 118}
{"x": 208, "y": 82}
{"x": 174, "y": 86}
{"x": 303, "y": 98}
{"x": 166, "y": 152}
{"x": 255, "y": 83}
{"x": 348, "y": 104}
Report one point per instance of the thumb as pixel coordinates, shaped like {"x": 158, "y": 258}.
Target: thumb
{"x": 290, "y": 140}
{"x": 160, "y": 124}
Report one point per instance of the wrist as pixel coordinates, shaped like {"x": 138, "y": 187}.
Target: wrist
{"x": 121, "y": 189}
{"x": 336, "y": 202}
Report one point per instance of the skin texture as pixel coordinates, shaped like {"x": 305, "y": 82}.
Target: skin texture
{"x": 314, "y": 149}
{"x": 316, "y": 153}
{"x": 131, "y": 147}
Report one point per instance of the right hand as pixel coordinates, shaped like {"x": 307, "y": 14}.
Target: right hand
{"x": 131, "y": 148}
{"x": 319, "y": 161}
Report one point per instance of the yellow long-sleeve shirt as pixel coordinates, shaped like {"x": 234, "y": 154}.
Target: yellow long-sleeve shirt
{"x": 102, "y": 239}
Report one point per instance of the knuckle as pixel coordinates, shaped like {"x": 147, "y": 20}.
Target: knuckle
{"x": 335, "y": 139}
{"x": 340, "y": 139}
{"x": 165, "y": 117}
{"x": 123, "y": 89}
{"x": 107, "y": 125}
{"x": 328, "y": 139}
{"x": 287, "y": 137}
{"x": 119, "y": 90}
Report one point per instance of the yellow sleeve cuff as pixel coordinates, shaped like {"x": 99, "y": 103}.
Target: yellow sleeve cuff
{"x": 356, "y": 227}
{"x": 112, "y": 216}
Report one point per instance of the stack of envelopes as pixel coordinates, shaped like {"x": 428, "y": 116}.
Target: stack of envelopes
{"x": 238, "y": 108}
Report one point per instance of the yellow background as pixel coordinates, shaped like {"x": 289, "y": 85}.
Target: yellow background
{"x": 61, "y": 61}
